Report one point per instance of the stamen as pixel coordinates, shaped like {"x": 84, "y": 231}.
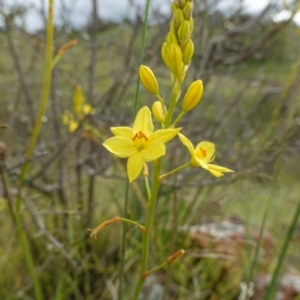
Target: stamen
{"x": 139, "y": 135}
{"x": 202, "y": 152}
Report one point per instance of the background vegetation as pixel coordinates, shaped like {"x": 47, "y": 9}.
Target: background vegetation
{"x": 250, "y": 109}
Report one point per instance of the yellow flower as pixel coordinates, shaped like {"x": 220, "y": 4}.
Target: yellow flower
{"x": 81, "y": 109}
{"x": 68, "y": 119}
{"x": 139, "y": 143}
{"x": 202, "y": 155}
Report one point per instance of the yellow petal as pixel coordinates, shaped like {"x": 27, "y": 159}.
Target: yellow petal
{"x": 154, "y": 151}
{"x": 143, "y": 121}
{"x": 125, "y": 132}
{"x": 163, "y": 135}
{"x": 195, "y": 161}
{"x": 186, "y": 142}
{"x": 219, "y": 168}
{"x": 135, "y": 165}
{"x": 119, "y": 146}
{"x": 205, "y": 151}
{"x": 215, "y": 173}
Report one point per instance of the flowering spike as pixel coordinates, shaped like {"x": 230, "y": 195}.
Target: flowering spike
{"x": 148, "y": 80}
{"x": 192, "y": 96}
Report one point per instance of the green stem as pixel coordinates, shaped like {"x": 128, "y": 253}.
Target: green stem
{"x": 174, "y": 96}
{"x": 122, "y": 247}
{"x": 29, "y": 153}
{"x": 164, "y": 264}
{"x": 141, "y": 227}
{"x": 272, "y": 286}
{"x": 182, "y": 113}
{"x": 159, "y": 97}
{"x": 162, "y": 177}
{"x": 147, "y": 187}
{"x": 148, "y": 225}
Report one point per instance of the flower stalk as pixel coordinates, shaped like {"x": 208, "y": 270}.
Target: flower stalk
{"x": 148, "y": 225}
{"x": 31, "y": 146}
{"x": 142, "y": 144}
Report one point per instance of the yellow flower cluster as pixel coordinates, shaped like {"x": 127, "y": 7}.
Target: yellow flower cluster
{"x": 80, "y": 108}
{"x": 141, "y": 144}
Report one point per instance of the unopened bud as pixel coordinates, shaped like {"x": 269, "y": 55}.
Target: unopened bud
{"x": 184, "y": 32}
{"x": 187, "y": 10}
{"x": 78, "y": 100}
{"x": 178, "y": 18}
{"x": 192, "y": 96}
{"x": 171, "y": 38}
{"x": 173, "y": 7}
{"x": 158, "y": 112}
{"x": 175, "y": 59}
{"x": 180, "y": 3}
{"x": 191, "y": 21}
{"x": 188, "y": 52}
{"x": 164, "y": 54}
{"x": 148, "y": 80}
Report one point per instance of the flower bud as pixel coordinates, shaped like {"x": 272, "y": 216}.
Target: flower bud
{"x": 184, "y": 32}
{"x": 175, "y": 59}
{"x": 173, "y": 7}
{"x": 171, "y": 38}
{"x": 188, "y": 52}
{"x": 187, "y": 10}
{"x": 191, "y": 21}
{"x": 158, "y": 112}
{"x": 180, "y": 3}
{"x": 164, "y": 54}
{"x": 178, "y": 18}
{"x": 192, "y": 96}
{"x": 78, "y": 100}
{"x": 148, "y": 80}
